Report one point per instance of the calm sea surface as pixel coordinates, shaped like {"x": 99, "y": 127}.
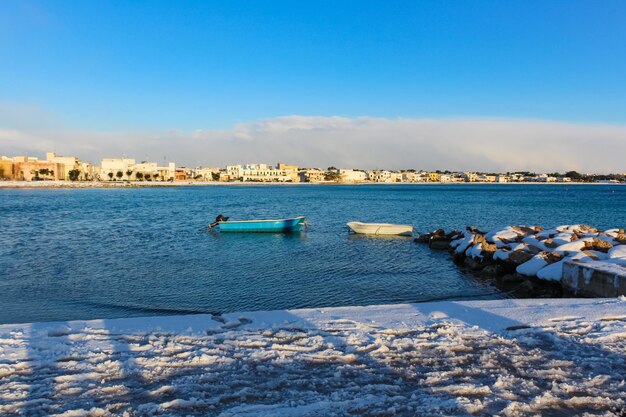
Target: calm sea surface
{"x": 104, "y": 253}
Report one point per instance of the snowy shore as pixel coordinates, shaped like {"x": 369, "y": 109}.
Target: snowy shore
{"x": 506, "y": 357}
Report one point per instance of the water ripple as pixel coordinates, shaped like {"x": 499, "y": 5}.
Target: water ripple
{"x": 80, "y": 254}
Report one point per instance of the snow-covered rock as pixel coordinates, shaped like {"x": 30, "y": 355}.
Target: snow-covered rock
{"x": 552, "y": 272}
{"x": 531, "y": 267}
{"x": 506, "y": 233}
{"x": 617, "y": 252}
{"x": 575, "y": 246}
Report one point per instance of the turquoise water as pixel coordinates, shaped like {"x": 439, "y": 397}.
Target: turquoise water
{"x": 104, "y": 253}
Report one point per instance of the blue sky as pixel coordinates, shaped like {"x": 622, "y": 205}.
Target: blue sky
{"x": 468, "y": 85}
{"x": 190, "y": 65}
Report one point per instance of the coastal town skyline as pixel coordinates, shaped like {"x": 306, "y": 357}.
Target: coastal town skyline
{"x": 71, "y": 168}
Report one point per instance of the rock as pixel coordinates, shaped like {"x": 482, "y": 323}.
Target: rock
{"x": 598, "y": 245}
{"x": 489, "y": 248}
{"x": 516, "y": 240}
{"x": 510, "y": 279}
{"x": 478, "y": 239}
{"x": 518, "y": 257}
{"x": 455, "y": 234}
{"x": 439, "y": 243}
{"x": 458, "y": 258}
{"x": 584, "y": 229}
{"x": 533, "y": 249}
{"x": 552, "y": 257}
{"x": 525, "y": 230}
{"x": 525, "y": 289}
{"x": 475, "y": 230}
{"x": 438, "y": 232}
{"x": 550, "y": 243}
{"x": 422, "y": 238}
{"x": 621, "y": 238}
{"x": 474, "y": 264}
{"x": 591, "y": 255}
{"x": 493, "y": 270}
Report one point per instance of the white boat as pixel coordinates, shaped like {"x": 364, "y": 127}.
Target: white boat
{"x": 381, "y": 228}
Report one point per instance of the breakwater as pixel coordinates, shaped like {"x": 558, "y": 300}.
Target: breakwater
{"x": 530, "y": 261}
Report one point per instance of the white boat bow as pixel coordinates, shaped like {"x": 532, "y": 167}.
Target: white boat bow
{"x": 381, "y": 228}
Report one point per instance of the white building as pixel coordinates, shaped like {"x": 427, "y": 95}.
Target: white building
{"x": 257, "y": 173}
{"x": 351, "y": 175}
{"x": 545, "y": 178}
{"x": 206, "y": 174}
{"x": 410, "y": 176}
{"x": 110, "y": 167}
{"x": 69, "y": 163}
{"x": 379, "y": 176}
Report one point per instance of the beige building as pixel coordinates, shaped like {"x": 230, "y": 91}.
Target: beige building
{"x": 30, "y": 170}
{"x": 434, "y": 177}
{"x": 486, "y": 178}
{"x": 312, "y": 175}
{"x": 290, "y": 170}
{"x": 6, "y": 168}
{"x": 470, "y": 176}
{"x": 206, "y": 174}
{"x": 68, "y": 163}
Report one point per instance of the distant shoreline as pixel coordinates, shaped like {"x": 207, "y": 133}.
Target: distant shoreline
{"x": 144, "y": 184}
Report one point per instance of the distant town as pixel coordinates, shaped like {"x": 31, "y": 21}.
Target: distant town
{"x": 69, "y": 168}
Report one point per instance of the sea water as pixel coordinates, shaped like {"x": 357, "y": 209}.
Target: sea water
{"x": 104, "y": 253}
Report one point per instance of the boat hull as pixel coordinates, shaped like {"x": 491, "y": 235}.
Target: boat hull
{"x": 381, "y": 229}
{"x": 263, "y": 226}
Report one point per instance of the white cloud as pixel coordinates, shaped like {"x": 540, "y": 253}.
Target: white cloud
{"x": 366, "y": 142}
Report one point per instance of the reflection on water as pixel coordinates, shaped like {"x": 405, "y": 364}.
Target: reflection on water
{"x": 70, "y": 254}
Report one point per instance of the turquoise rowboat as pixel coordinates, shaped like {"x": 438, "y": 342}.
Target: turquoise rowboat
{"x": 295, "y": 224}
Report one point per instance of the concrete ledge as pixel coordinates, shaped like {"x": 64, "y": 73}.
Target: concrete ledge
{"x": 594, "y": 279}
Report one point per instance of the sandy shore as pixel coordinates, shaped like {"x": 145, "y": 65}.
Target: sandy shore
{"x": 503, "y": 357}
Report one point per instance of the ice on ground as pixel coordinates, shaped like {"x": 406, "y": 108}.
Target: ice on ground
{"x": 503, "y": 357}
